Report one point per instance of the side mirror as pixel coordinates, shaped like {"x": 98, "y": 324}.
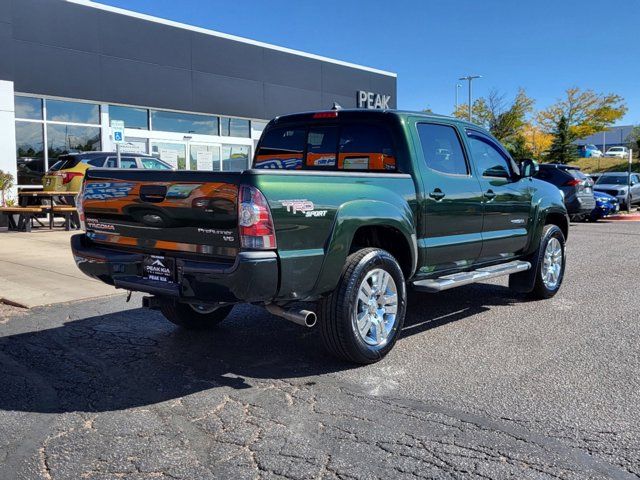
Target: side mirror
{"x": 529, "y": 168}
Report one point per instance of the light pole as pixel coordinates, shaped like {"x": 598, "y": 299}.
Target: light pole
{"x": 470, "y": 79}
{"x": 457, "y": 87}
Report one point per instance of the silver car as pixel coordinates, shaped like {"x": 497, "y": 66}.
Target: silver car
{"x": 615, "y": 184}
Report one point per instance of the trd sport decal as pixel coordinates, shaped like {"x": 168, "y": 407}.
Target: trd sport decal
{"x": 306, "y": 207}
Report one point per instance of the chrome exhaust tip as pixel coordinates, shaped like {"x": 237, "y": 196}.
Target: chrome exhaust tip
{"x": 305, "y": 318}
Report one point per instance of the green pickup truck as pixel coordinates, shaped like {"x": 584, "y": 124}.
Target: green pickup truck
{"x": 341, "y": 212}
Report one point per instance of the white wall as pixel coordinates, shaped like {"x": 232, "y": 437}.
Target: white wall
{"x": 7, "y": 130}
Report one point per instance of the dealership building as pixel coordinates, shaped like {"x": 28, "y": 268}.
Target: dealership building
{"x": 68, "y": 68}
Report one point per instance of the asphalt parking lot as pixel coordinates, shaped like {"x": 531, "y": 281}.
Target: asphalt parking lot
{"x": 483, "y": 384}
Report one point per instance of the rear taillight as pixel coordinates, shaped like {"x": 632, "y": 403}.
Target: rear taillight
{"x": 80, "y": 208}
{"x": 68, "y": 176}
{"x": 573, "y": 183}
{"x": 254, "y": 220}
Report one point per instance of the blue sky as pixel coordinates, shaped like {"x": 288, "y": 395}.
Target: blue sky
{"x": 544, "y": 46}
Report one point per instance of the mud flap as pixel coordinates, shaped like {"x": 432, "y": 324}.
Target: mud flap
{"x": 524, "y": 282}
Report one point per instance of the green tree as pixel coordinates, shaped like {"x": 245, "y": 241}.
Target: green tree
{"x": 505, "y": 120}
{"x": 585, "y": 112}
{"x": 6, "y": 184}
{"x": 634, "y": 139}
{"x": 562, "y": 148}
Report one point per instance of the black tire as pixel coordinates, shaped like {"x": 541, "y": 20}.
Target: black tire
{"x": 336, "y": 313}
{"x": 188, "y": 317}
{"x": 541, "y": 290}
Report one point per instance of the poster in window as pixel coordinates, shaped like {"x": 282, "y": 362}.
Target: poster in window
{"x": 204, "y": 160}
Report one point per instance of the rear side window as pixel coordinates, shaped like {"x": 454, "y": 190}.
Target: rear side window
{"x": 128, "y": 162}
{"x": 154, "y": 164}
{"x": 65, "y": 162}
{"x": 349, "y": 146}
{"x": 282, "y": 148}
{"x": 95, "y": 162}
{"x": 442, "y": 149}
{"x": 366, "y": 147}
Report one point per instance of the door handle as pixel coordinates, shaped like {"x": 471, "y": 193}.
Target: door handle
{"x": 437, "y": 194}
{"x": 489, "y": 195}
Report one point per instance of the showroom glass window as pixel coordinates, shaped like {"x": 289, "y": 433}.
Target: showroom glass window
{"x": 184, "y": 122}
{"x": 132, "y": 117}
{"x": 63, "y": 126}
{"x": 235, "y": 158}
{"x": 235, "y": 127}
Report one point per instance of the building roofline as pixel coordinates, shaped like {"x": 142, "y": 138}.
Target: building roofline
{"x": 214, "y": 33}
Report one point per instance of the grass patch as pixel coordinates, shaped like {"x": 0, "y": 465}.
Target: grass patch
{"x": 605, "y": 164}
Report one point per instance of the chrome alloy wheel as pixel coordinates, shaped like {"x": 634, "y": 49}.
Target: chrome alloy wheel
{"x": 552, "y": 264}
{"x": 377, "y": 307}
{"x": 204, "y": 309}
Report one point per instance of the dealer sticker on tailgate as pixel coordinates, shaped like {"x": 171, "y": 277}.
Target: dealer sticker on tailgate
{"x": 157, "y": 268}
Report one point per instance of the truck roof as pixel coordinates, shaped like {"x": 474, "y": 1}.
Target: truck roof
{"x": 366, "y": 113}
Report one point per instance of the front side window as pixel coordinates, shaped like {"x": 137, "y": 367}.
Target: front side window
{"x": 442, "y": 149}
{"x": 489, "y": 161}
{"x": 184, "y": 122}
{"x": 73, "y": 112}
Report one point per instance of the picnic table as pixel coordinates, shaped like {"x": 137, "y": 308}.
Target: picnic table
{"x": 35, "y": 203}
{"x": 38, "y": 197}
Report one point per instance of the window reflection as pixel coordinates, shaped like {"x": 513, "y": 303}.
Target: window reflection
{"x": 235, "y": 127}
{"x": 75, "y": 112}
{"x": 28, "y": 107}
{"x": 172, "y": 153}
{"x": 132, "y": 117}
{"x": 71, "y": 138}
{"x": 235, "y": 158}
{"x": 184, "y": 122}
{"x": 30, "y": 153}
{"x": 204, "y": 157}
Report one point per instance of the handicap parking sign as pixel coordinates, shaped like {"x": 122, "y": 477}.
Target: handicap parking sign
{"x": 117, "y": 131}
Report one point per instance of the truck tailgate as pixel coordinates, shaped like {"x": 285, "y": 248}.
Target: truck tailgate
{"x": 160, "y": 210}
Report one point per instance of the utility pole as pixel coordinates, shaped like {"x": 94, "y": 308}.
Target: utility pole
{"x": 457, "y": 87}
{"x": 470, "y": 79}
{"x": 629, "y": 182}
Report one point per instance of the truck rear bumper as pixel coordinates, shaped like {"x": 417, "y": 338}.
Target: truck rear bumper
{"x": 252, "y": 278}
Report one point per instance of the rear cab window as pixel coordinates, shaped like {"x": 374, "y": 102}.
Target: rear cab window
{"x": 360, "y": 146}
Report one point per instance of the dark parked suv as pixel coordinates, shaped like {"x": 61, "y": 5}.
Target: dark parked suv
{"x": 576, "y": 187}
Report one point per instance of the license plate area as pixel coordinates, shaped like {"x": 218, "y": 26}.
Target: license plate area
{"x": 159, "y": 269}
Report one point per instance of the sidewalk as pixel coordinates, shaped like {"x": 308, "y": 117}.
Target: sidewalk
{"x": 38, "y": 269}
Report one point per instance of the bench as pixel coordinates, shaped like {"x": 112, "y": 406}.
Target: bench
{"x": 26, "y": 215}
{"x": 70, "y": 214}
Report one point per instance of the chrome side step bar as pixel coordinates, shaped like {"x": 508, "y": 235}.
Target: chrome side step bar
{"x": 464, "y": 278}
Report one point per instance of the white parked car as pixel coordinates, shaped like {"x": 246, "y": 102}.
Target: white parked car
{"x": 620, "y": 152}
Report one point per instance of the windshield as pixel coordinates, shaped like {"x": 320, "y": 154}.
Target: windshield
{"x": 612, "y": 180}
{"x": 616, "y": 149}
